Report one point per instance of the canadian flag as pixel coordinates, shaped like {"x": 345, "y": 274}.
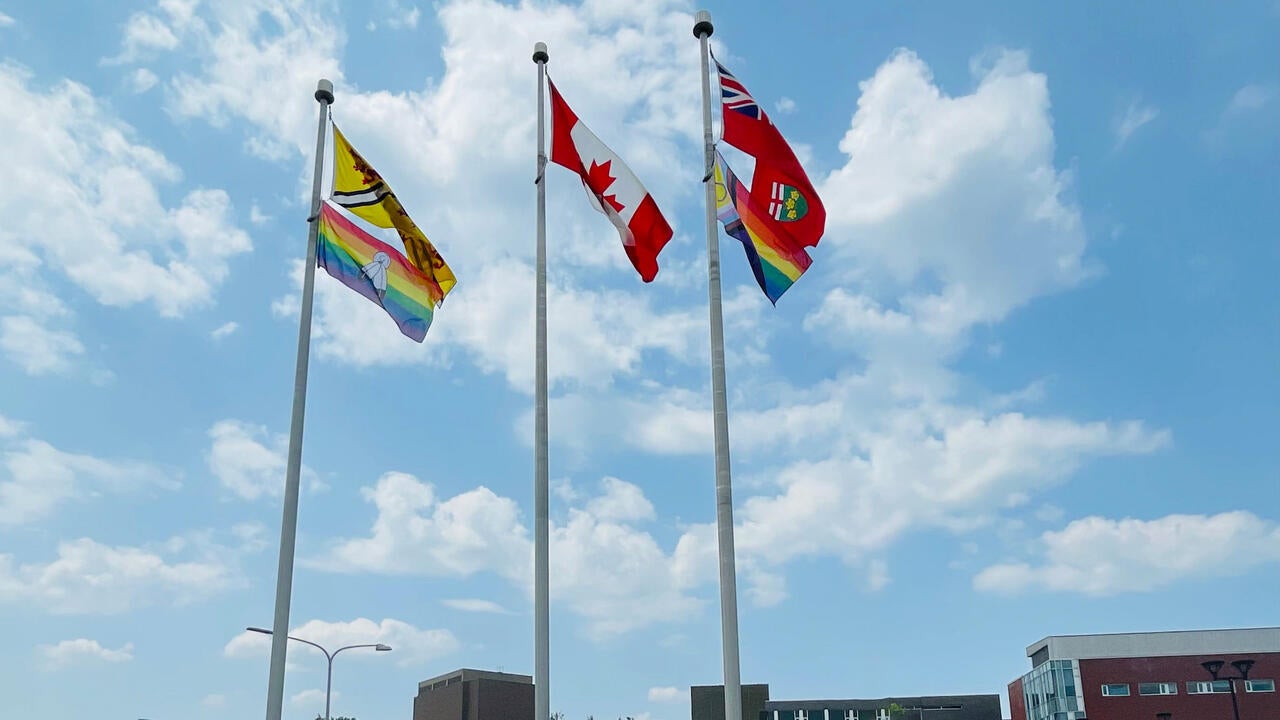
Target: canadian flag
{"x": 614, "y": 190}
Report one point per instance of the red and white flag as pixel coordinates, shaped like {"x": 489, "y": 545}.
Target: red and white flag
{"x": 614, "y": 190}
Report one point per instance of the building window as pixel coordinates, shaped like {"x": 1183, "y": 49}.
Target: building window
{"x": 1259, "y": 685}
{"x": 850, "y": 715}
{"x": 1118, "y": 690}
{"x": 1206, "y": 687}
{"x": 882, "y": 714}
{"x": 1166, "y": 688}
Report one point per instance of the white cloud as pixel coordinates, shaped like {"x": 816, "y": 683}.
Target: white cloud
{"x": 418, "y": 532}
{"x": 949, "y": 209}
{"x": 71, "y": 652}
{"x": 877, "y": 575}
{"x": 666, "y": 694}
{"x": 142, "y": 80}
{"x": 785, "y": 105}
{"x": 10, "y": 428}
{"x": 401, "y": 18}
{"x": 224, "y": 330}
{"x": 250, "y": 461}
{"x": 410, "y": 646}
{"x": 1134, "y": 117}
{"x": 91, "y": 578}
{"x": 614, "y": 576}
{"x": 476, "y": 605}
{"x": 621, "y": 501}
{"x": 470, "y": 119}
{"x": 39, "y": 477}
{"x": 214, "y": 700}
{"x": 144, "y": 32}
{"x": 257, "y": 216}
{"x": 1099, "y": 556}
{"x": 313, "y": 697}
{"x": 6, "y": 20}
{"x": 172, "y": 256}
{"x": 1250, "y": 98}
{"x": 37, "y": 349}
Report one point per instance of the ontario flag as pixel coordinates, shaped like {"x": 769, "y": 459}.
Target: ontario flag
{"x": 779, "y": 182}
{"x": 614, "y": 190}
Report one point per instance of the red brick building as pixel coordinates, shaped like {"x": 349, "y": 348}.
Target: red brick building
{"x": 1137, "y": 676}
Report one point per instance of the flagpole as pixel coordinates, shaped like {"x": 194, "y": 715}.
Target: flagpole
{"x": 289, "y": 523}
{"x": 541, "y": 532}
{"x": 702, "y": 29}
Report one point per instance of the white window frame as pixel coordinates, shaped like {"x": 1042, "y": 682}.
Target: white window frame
{"x": 882, "y": 714}
{"x": 850, "y": 715}
{"x": 1248, "y": 685}
{"x": 801, "y": 714}
{"x": 1166, "y": 688}
{"x": 1206, "y": 687}
{"x": 1107, "y": 686}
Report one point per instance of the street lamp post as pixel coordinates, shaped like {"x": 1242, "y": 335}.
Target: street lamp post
{"x": 1241, "y": 666}
{"x": 329, "y": 656}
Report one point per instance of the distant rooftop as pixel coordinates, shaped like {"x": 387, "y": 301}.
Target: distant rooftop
{"x": 465, "y": 674}
{"x": 1156, "y": 644}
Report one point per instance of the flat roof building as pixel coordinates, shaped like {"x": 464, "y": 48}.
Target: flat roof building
{"x": 1138, "y": 675}
{"x": 707, "y": 703}
{"x": 469, "y": 694}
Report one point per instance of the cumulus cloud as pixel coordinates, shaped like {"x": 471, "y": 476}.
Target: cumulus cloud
{"x": 89, "y": 578}
{"x": 224, "y": 330}
{"x": 950, "y": 207}
{"x": 665, "y": 694}
{"x": 71, "y": 652}
{"x": 409, "y": 645}
{"x": 142, "y": 80}
{"x": 1100, "y": 556}
{"x": 249, "y": 461}
{"x": 37, "y": 478}
{"x": 171, "y": 255}
{"x": 37, "y": 349}
{"x": 615, "y": 576}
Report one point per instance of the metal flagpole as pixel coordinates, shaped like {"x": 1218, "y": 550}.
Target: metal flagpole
{"x": 702, "y": 29}
{"x": 289, "y": 523}
{"x": 541, "y": 532}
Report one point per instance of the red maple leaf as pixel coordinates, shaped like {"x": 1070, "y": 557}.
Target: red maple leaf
{"x": 599, "y": 179}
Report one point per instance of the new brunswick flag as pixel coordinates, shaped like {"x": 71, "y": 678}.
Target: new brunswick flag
{"x": 362, "y": 191}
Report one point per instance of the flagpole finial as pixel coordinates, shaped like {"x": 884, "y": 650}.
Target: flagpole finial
{"x": 324, "y": 92}
{"x": 702, "y": 24}
{"x": 540, "y": 52}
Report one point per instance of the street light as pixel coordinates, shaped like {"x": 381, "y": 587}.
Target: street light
{"x": 328, "y": 656}
{"x": 1242, "y": 666}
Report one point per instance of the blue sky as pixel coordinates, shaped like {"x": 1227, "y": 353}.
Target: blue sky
{"x": 1028, "y": 387}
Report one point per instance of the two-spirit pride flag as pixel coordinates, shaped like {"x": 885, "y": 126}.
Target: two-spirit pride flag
{"x": 375, "y": 270}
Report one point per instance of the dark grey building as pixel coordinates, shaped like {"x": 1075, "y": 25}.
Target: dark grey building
{"x": 707, "y": 703}
{"x": 475, "y": 695}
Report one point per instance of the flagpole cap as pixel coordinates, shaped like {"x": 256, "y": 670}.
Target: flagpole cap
{"x": 324, "y": 92}
{"x": 702, "y": 24}
{"x": 540, "y": 52}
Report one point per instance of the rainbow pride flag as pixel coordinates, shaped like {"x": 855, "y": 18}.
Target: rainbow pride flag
{"x": 377, "y": 271}
{"x": 776, "y": 259}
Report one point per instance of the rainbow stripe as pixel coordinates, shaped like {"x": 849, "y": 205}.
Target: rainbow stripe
{"x": 776, "y": 259}
{"x": 375, "y": 270}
